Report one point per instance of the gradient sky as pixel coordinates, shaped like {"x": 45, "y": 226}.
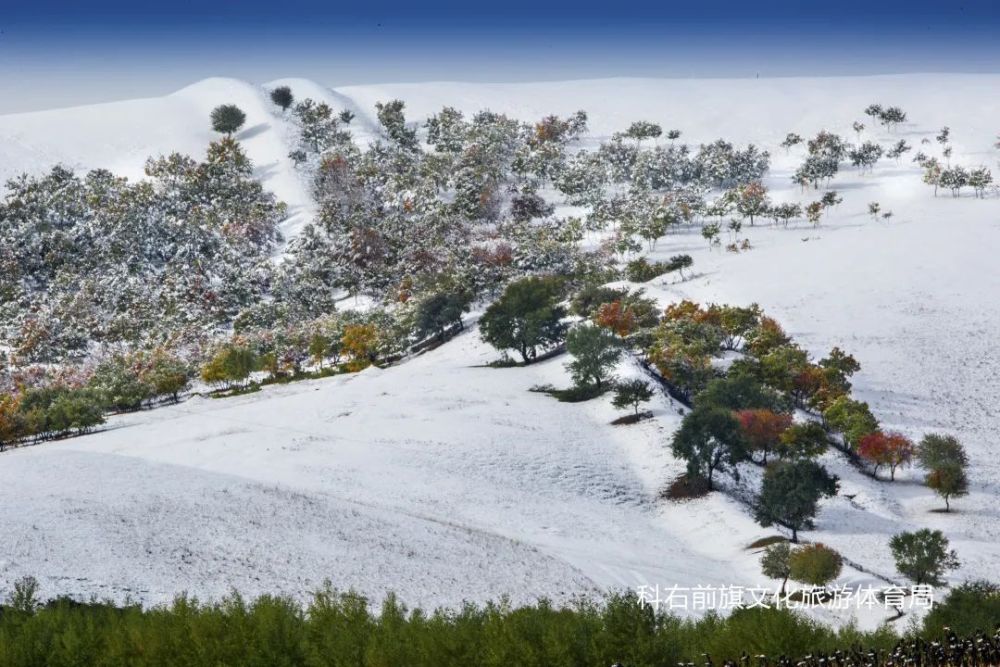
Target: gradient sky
{"x": 59, "y": 53}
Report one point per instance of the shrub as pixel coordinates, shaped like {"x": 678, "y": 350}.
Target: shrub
{"x": 642, "y": 270}
{"x": 968, "y": 608}
{"x": 686, "y": 486}
{"x": 814, "y": 564}
{"x": 342, "y": 629}
{"x": 282, "y": 96}
{"x": 227, "y": 118}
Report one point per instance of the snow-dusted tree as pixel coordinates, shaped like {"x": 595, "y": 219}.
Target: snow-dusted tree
{"x": 346, "y": 116}
{"x": 932, "y": 173}
{"x": 318, "y": 126}
{"x": 752, "y": 200}
{"x": 898, "y": 150}
{"x": 865, "y": 156}
{"x": 815, "y": 170}
{"x": 891, "y": 117}
{"x": 858, "y": 128}
{"x": 710, "y": 232}
{"x": 786, "y": 212}
{"x": 874, "y": 111}
{"x": 642, "y": 129}
{"x": 282, "y": 96}
{"x": 814, "y": 211}
{"x": 447, "y": 130}
{"x": 791, "y": 139}
{"x": 979, "y": 179}
{"x": 722, "y": 165}
{"x": 679, "y": 263}
{"x": 227, "y": 118}
{"x": 944, "y": 136}
{"x": 874, "y": 208}
{"x": 954, "y": 178}
{"x": 673, "y": 135}
{"x": 831, "y": 199}
{"x": 393, "y": 121}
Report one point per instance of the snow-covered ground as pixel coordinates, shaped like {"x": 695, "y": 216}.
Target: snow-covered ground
{"x": 444, "y": 480}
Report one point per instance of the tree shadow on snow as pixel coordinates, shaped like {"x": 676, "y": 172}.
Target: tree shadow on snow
{"x": 251, "y": 132}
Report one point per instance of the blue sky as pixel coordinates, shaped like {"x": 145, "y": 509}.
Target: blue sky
{"x": 56, "y": 53}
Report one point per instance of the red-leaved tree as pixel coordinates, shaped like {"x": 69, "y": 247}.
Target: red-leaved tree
{"x": 886, "y": 449}
{"x": 762, "y": 429}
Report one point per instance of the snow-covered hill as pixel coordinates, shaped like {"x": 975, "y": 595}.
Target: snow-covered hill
{"x": 444, "y": 480}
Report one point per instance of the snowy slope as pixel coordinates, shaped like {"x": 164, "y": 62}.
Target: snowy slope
{"x": 445, "y": 481}
{"x": 440, "y": 479}
{"x": 120, "y": 136}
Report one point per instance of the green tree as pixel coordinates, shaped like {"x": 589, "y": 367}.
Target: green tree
{"x": 527, "y": 316}
{"x": 282, "y": 96}
{"x": 814, "y": 564}
{"x": 227, "y": 118}
{"x": 709, "y": 439}
{"x": 435, "y": 313}
{"x": 948, "y": 481}
{"x": 923, "y": 556}
{"x": 319, "y": 348}
{"x": 967, "y": 609}
{"x": 167, "y": 375}
{"x": 595, "y": 352}
{"x": 119, "y": 386}
{"x": 852, "y": 418}
{"x": 230, "y": 366}
{"x": 945, "y": 460}
{"x": 936, "y": 451}
{"x": 678, "y": 263}
{"x": 774, "y": 563}
{"x": 631, "y": 394}
{"x": 802, "y": 441}
{"x": 791, "y": 492}
{"x": 740, "y": 392}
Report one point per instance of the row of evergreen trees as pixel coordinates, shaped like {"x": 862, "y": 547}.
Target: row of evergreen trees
{"x": 341, "y": 629}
